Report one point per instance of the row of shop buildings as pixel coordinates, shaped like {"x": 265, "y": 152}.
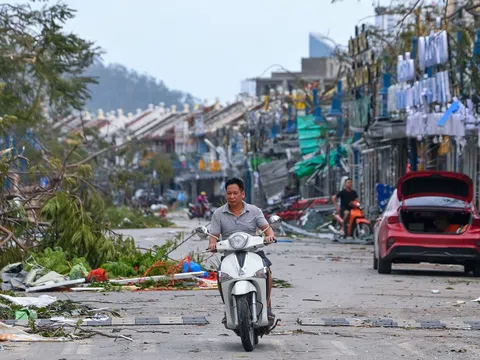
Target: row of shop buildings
{"x": 304, "y": 134}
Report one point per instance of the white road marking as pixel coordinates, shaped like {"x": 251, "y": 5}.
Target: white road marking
{"x": 84, "y": 349}
{"x": 343, "y": 348}
{"x": 69, "y": 349}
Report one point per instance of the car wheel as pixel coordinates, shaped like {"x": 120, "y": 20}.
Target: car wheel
{"x": 476, "y": 270}
{"x": 375, "y": 261}
{"x": 384, "y": 266}
{"x": 469, "y": 267}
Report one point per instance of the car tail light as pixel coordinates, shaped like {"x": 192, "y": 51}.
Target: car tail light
{"x": 390, "y": 242}
{"x": 394, "y": 220}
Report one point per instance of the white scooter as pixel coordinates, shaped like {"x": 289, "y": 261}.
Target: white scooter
{"x": 243, "y": 280}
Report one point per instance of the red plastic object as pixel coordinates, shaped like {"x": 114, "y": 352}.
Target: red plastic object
{"x": 163, "y": 213}
{"x": 97, "y": 275}
{"x": 212, "y": 276}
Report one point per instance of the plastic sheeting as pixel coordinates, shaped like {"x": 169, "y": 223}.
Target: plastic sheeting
{"x": 309, "y": 134}
{"x": 308, "y": 167}
{"x": 39, "y": 302}
{"x": 274, "y": 178}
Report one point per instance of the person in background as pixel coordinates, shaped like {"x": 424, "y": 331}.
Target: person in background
{"x": 202, "y": 200}
{"x": 346, "y": 196}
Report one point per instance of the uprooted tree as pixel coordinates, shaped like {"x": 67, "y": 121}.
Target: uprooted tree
{"x": 41, "y": 77}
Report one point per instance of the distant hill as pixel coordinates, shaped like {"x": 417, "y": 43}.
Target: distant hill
{"x": 123, "y": 88}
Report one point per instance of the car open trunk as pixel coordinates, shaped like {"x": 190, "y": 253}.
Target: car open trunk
{"x": 430, "y": 221}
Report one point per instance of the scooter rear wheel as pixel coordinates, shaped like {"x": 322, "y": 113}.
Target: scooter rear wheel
{"x": 245, "y": 325}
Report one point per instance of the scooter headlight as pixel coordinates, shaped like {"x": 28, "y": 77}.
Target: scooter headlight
{"x": 262, "y": 273}
{"x": 238, "y": 241}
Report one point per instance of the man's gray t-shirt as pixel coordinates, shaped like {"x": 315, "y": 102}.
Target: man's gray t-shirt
{"x": 249, "y": 221}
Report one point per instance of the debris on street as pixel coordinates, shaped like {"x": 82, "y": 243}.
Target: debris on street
{"x": 41, "y": 301}
{"x": 10, "y": 333}
{"x": 133, "y": 269}
{"x": 158, "y": 278}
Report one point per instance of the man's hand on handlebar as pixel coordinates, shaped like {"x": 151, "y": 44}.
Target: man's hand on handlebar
{"x": 269, "y": 239}
{"x": 212, "y": 247}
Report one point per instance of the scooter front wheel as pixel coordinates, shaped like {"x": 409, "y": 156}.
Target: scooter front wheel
{"x": 361, "y": 231}
{"x": 245, "y": 325}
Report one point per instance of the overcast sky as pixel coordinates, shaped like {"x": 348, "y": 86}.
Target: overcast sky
{"x": 208, "y": 47}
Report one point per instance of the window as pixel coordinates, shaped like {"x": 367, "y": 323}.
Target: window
{"x": 435, "y": 201}
{"x": 392, "y": 203}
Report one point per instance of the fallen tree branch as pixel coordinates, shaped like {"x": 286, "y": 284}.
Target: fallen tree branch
{"x": 10, "y": 235}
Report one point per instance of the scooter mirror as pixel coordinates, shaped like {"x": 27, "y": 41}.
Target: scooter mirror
{"x": 275, "y": 219}
{"x": 201, "y": 230}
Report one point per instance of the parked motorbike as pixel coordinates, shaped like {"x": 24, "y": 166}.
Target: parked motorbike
{"x": 357, "y": 227}
{"x": 243, "y": 280}
{"x": 195, "y": 211}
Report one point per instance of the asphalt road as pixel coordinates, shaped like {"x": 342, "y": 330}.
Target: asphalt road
{"x": 332, "y": 284}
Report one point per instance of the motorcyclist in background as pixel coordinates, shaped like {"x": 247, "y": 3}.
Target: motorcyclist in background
{"x": 346, "y": 196}
{"x": 202, "y": 200}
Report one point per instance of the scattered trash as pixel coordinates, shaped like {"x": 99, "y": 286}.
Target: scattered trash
{"x": 449, "y": 288}
{"x": 477, "y": 300}
{"x": 97, "y": 275}
{"x": 55, "y": 285}
{"x": 190, "y": 266}
{"x": 300, "y": 231}
{"x": 25, "y": 314}
{"x": 435, "y": 291}
{"x": 41, "y": 301}
{"x": 159, "y": 278}
{"x": 78, "y": 289}
{"x": 460, "y": 302}
{"x": 2, "y": 348}
{"x": 207, "y": 284}
{"x": 9, "y": 333}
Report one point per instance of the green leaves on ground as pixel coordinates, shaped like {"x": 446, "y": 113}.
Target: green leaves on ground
{"x": 127, "y": 218}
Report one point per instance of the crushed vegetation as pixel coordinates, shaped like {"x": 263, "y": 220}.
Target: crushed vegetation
{"x": 128, "y": 218}
{"x": 65, "y": 308}
{"x": 127, "y": 261}
{"x": 281, "y": 284}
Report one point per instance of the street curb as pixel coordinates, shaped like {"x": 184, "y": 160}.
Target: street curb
{"x": 393, "y": 323}
{"x": 136, "y": 321}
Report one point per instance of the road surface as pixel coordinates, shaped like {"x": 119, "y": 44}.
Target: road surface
{"x": 332, "y": 284}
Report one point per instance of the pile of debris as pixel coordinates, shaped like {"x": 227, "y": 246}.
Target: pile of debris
{"x": 15, "y": 278}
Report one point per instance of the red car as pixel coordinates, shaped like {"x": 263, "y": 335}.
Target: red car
{"x": 429, "y": 218}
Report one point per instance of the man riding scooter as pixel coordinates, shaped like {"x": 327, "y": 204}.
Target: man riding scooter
{"x": 237, "y": 216}
{"x": 346, "y": 196}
